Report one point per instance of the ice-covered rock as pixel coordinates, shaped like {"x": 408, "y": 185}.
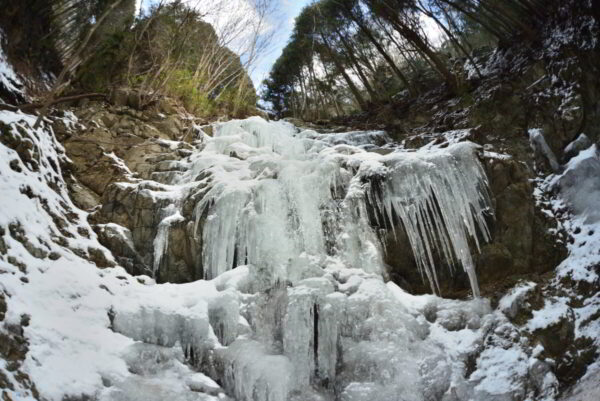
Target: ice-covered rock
{"x": 512, "y": 302}
{"x": 579, "y": 183}
{"x": 541, "y": 148}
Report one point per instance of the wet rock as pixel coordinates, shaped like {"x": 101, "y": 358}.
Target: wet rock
{"x": 137, "y": 209}
{"x": 180, "y": 263}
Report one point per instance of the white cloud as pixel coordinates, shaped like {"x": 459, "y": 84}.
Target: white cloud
{"x": 434, "y": 33}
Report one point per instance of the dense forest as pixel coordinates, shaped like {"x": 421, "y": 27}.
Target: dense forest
{"x": 346, "y": 56}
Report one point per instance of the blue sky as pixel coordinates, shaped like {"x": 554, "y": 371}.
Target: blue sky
{"x": 283, "y": 22}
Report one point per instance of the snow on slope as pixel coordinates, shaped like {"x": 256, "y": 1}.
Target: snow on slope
{"x": 8, "y": 78}
{"x": 579, "y": 189}
{"x": 46, "y": 275}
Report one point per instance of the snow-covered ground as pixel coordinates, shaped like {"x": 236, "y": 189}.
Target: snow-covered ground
{"x": 576, "y": 189}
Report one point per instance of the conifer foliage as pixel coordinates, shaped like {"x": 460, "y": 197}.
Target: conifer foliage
{"x": 351, "y": 55}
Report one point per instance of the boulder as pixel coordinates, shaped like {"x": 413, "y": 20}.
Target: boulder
{"x": 83, "y": 197}
{"x": 119, "y": 97}
{"x": 170, "y": 127}
{"x": 109, "y": 120}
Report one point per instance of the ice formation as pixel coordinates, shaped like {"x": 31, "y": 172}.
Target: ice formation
{"x": 539, "y": 145}
{"x": 296, "y": 307}
{"x": 273, "y": 194}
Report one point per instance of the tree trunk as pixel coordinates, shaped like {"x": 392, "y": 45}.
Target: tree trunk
{"x": 357, "y": 95}
{"x": 413, "y": 37}
{"x": 358, "y": 68}
{"x": 383, "y": 53}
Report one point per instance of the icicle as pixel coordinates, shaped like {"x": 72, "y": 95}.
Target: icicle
{"x": 161, "y": 241}
{"x": 441, "y": 197}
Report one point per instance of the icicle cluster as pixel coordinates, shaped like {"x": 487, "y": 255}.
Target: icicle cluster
{"x": 441, "y": 197}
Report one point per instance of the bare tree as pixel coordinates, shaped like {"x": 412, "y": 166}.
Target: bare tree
{"x": 76, "y": 55}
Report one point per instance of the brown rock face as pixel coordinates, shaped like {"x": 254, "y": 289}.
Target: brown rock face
{"x": 122, "y": 144}
{"x": 512, "y": 229}
{"x": 128, "y": 223}
{"x": 182, "y": 261}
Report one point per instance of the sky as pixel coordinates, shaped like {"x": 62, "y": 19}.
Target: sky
{"x": 283, "y": 23}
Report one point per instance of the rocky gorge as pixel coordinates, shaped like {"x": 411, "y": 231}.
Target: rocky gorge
{"x": 447, "y": 250}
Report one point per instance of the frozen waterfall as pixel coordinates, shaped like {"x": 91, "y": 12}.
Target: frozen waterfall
{"x": 274, "y": 196}
{"x": 290, "y": 225}
{"x": 287, "y": 227}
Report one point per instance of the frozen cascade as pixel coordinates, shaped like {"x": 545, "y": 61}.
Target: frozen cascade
{"x": 296, "y": 308}
{"x": 441, "y": 198}
{"x": 290, "y": 219}
{"x": 161, "y": 241}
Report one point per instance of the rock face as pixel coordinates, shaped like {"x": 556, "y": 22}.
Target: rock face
{"x": 137, "y": 210}
{"x": 113, "y": 149}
